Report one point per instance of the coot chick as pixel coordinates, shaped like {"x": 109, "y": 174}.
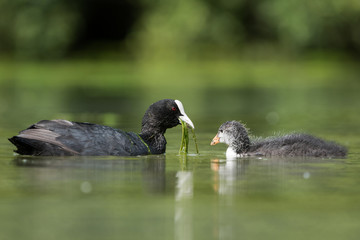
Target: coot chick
{"x": 235, "y": 135}
{"x": 62, "y": 137}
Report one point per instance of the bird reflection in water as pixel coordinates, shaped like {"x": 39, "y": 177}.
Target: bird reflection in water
{"x": 183, "y": 204}
{"x": 226, "y": 174}
{"x": 149, "y": 171}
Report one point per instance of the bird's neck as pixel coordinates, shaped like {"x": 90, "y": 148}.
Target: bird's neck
{"x": 231, "y": 153}
{"x": 155, "y": 140}
{"x": 241, "y": 145}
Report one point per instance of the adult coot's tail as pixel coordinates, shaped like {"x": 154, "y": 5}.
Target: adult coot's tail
{"x": 36, "y": 147}
{"x": 41, "y": 139}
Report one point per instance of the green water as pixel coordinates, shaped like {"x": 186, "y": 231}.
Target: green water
{"x": 177, "y": 197}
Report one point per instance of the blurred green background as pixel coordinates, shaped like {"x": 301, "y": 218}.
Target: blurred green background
{"x": 277, "y": 65}
{"x": 107, "y": 60}
{"x": 59, "y": 57}
{"x": 187, "y": 29}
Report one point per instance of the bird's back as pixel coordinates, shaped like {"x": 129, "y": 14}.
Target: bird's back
{"x": 296, "y": 145}
{"x": 62, "y": 137}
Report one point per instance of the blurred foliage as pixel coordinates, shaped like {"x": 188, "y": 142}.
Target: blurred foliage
{"x": 176, "y": 29}
{"x": 37, "y": 29}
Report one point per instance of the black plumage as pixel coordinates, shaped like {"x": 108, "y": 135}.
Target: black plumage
{"x": 62, "y": 137}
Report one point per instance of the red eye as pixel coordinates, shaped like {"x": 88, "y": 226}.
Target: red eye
{"x": 173, "y": 108}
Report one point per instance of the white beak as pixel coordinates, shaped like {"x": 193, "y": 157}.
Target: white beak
{"x": 184, "y": 117}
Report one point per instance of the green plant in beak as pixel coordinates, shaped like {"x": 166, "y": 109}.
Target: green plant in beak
{"x": 184, "y": 146}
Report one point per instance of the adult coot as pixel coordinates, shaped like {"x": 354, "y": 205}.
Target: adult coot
{"x": 62, "y": 137}
{"x": 235, "y": 135}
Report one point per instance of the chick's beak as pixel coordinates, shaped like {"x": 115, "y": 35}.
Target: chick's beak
{"x": 215, "y": 140}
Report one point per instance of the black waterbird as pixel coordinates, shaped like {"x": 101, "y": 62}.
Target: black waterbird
{"x": 62, "y": 137}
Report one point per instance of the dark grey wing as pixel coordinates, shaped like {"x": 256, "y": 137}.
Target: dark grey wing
{"x": 40, "y": 139}
{"x": 62, "y": 137}
{"x": 92, "y": 139}
{"x": 297, "y": 144}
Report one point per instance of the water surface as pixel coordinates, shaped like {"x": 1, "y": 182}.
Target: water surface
{"x": 172, "y": 196}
